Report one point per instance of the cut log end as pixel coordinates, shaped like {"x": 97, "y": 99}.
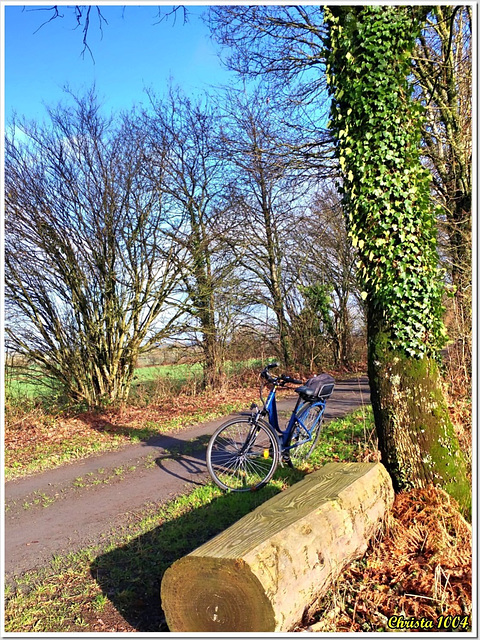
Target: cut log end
{"x": 263, "y": 572}
{"x": 224, "y": 595}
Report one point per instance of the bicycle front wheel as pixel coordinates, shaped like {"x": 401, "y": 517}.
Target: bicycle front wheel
{"x": 242, "y": 455}
{"x": 300, "y": 443}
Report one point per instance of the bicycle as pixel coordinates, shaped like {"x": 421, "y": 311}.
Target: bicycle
{"x": 244, "y": 452}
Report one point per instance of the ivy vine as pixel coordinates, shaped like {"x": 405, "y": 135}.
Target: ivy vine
{"x": 319, "y": 300}
{"x": 386, "y": 190}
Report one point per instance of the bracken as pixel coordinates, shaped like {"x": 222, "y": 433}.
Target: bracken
{"x": 421, "y": 567}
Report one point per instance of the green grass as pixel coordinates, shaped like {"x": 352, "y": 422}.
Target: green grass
{"x": 22, "y": 387}
{"x": 346, "y": 438}
{"x": 45, "y": 456}
{"x": 181, "y": 372}
{"x": 49, "y": 456}
{"x": 123, "y": 575}
{"x": 19, "y": 387}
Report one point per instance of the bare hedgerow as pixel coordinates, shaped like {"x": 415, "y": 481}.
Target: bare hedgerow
{"x": 89, "y": 270}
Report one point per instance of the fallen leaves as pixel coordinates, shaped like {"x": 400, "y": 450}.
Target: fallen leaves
{"x": 34, "y": 435}
{"x": 422, "y": 567}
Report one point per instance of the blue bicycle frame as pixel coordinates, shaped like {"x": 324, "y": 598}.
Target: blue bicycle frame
{"x": 271, "y": 409}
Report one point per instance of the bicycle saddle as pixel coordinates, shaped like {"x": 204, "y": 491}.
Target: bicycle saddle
{"x": 305, "y": 391}
{"x": 320, "y": 386}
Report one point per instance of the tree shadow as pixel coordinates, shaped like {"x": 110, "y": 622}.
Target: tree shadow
{"x": 99, "y": 421}
{"x": 189, "y": 456}
{"x": 130, "y": 575}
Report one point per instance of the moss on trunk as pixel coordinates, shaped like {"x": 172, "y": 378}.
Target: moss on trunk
{"x": 415, "y": 433}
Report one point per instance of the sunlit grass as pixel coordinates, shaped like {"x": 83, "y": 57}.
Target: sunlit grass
{"x": 348, "y": 438}
{"x": 121, "y": 578}
{"x": 33, "y": 458}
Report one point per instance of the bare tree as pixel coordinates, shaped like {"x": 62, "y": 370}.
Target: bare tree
{"x": 284, "y": 48}
{"x": 265, "y": 198}
{"x": 280, "y": 41}
{"x": 324, "y": 261}
{"x": 182, "y": 147}
{"x": 86, "y": 17}
{"x": 89, "y": 269}
{"x": 443, "y": 69}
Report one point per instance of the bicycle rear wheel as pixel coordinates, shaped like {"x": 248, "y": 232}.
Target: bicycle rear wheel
{"x": 242, "y": 455}
{"x": 302, "y": 445}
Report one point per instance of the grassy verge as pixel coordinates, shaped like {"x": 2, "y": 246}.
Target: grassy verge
{"x": 38, "y": 442}
{"x": 420, "y": 565}
{"x": 115, "y": 585}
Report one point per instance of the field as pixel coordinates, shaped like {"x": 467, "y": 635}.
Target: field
{"x": 145, "y": 378}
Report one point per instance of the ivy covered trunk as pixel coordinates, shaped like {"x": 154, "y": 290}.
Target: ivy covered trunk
{"x": 391, "y": 221}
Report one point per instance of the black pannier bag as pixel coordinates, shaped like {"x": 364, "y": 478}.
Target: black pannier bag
{"x": 320, "y": 386}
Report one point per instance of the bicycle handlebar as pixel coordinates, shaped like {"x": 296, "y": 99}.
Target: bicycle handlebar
{"x": 282, "y": 379}
{"x": 287, "y": 379}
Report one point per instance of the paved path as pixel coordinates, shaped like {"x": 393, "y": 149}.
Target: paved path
{"x": 68, "y": 508}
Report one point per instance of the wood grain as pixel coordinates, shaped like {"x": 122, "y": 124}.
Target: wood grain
{"x": 262, "y": 573}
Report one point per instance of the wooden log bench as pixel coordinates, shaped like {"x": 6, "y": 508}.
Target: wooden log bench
{"x": 265, "y": 571}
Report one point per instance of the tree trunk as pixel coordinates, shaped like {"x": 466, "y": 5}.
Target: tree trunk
{"x": 285, "y": 342}
{"x": 211, "y": 372}
{"x": 392, "y": 223}
{"x": 460, "y": 236}
{"x": 204, "y": 300}
{"x": 264, "y": 572}
{"x": 344, "y": 333}
{"x": 275, "y": 270}
{"x": 416, "y": 437}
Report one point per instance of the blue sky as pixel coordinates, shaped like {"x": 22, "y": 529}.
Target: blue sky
{"x": 133, "y": 53}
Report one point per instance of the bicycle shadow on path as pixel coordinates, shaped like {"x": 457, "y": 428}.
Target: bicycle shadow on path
{"x": 130, "y": 575}
{"x": 189, "y": 459}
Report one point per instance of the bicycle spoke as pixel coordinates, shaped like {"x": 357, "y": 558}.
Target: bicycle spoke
{"x": 305, "y": 433}
{"x": 236, "y": 455}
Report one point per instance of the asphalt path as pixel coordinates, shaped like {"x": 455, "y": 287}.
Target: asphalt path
{"x": 66, "y": 509}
